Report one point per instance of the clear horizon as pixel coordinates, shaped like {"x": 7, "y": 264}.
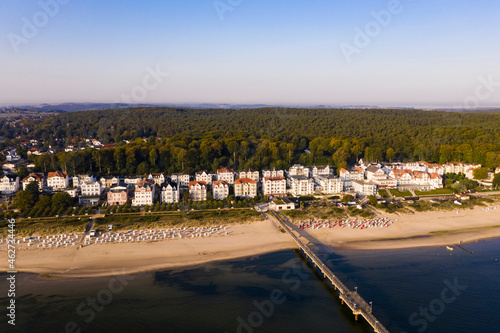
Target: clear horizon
{"x": 381, "y": 53}
{"x": 330, "y": 106}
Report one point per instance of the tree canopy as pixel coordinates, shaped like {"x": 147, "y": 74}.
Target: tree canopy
{"x": 480, "y": 173}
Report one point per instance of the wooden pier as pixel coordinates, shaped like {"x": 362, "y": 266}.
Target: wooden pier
{"x": 350, "y": 298}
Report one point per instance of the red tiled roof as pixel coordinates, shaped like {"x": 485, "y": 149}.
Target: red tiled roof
{"x": 420, "y": 174}
{"x": 220, "y": 182}
{"x": 223, "y": 170}
{"x": 144, "y": 182}
{"x": 398, "y": 173}
{"x": 245, "y": 180}
{"x": 57, "y": 174}
{"x": 273, "y": 178}
{"x": 410, "y": 172}
{"x": 195, "y": 182}
{"x": 37, "y": 176}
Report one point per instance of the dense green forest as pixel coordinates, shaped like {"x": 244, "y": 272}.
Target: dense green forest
{"x": 187, "y": 140}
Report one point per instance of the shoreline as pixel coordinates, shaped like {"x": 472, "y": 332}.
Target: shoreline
{"x": 425, "y": 229}
{"x": 129, "y": 258}
{"x": 460, "y": 238}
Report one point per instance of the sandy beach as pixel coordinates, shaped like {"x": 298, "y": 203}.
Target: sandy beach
{"x": 123, "y": 258}
{"x": 439, "y": 228}
{"x": 415, "y": 230}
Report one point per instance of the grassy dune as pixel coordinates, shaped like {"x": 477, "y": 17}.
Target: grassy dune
{"x": 130, "y": 221}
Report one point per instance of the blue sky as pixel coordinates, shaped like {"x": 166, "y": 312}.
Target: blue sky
{"x": 426, "y": 54}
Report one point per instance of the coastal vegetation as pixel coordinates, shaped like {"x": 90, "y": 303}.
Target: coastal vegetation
{"x": 400, "y": 194}
{"x": 131, "y": 221}
{"x": 438, "y": 191}
{"x": 46, "y": 226}
{"x": 325, "y": 210}
{"x": 179, "y": 219}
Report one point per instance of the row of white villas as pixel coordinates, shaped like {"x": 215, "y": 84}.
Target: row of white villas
{"x": 364, "y": 179}
{"x": 422, "y": 166}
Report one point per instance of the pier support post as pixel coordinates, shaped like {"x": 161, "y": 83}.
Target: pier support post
{"x": 356, "y": 317}
{"x": 342, "y": 301}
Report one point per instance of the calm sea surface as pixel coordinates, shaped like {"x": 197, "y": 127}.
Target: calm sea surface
{"x": 414, "y": 290}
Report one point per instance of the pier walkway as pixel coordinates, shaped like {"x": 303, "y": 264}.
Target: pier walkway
{"x": 352, "y": 299}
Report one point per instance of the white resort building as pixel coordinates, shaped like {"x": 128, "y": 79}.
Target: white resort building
{"x": 170, "y": 193}
{"x": 275, "y": 186}
{"x": 220, "y": 189}
{"x": 144, "y": 193}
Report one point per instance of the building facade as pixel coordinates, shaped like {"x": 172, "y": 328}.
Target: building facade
{"x": 158, "y": 178}
{"x": 254, "y": 175}
{"x": 329, "y": 184}
{"x": 34, "y": 177}
{"x": 364, "y": 187}
{"x": 275, "y": 186}
{"x": 117, "y": 196}
{"x": 403, "y": 177}
{"x": 204, "y": 176}
{"x": 302, "y": 185}
{"x": 273, "y": 173}
{"x": 379, "y": 177}
{"x": 170, "y": 193}
{"x": 91, "y": 189}
{"x": 78, "y": 180}
{"x": 198, "y": 190}
{"x": 245, "y": 187}
{"x": 72, "y": 192}
{"x": 109, "y": 182}
{"x": 9, "y": 184}
{"x": 226, "y": 175}
{"x": 58, "y": 180}
{"x": 321, "y": 170}
{"x": 220, "y": 189}
{"x": 299, "y": 170}
{"x": 281, "y": 204}
{"x": 144, "y": 193}
{"x": 348, "y": 176}
{"x": 181, "y": 179}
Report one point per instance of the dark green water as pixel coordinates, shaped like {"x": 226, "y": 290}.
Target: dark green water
{"x": 277, "y": 292}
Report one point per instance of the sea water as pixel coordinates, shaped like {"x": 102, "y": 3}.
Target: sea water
{"x": 412, "y": 290}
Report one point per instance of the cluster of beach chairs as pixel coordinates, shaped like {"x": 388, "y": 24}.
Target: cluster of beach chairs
{"x": 132, "y": 236}
{"x": 491, "y": 208}
{"x": 356, "y": 223}
{"x": 54, "y": 241}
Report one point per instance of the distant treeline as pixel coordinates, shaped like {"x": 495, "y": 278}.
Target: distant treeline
{"x": 197, "y": 139}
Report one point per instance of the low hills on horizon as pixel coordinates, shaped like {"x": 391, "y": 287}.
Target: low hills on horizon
{"x": 74, "y": 107}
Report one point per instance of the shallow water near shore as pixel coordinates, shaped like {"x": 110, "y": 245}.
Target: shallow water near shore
{"x": 276, "y": 292}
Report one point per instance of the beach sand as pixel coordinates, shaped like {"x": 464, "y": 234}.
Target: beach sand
{"x": 124, "y": 258}
{"x": 415, "y": 230}
{"x": 437, "y": 228}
